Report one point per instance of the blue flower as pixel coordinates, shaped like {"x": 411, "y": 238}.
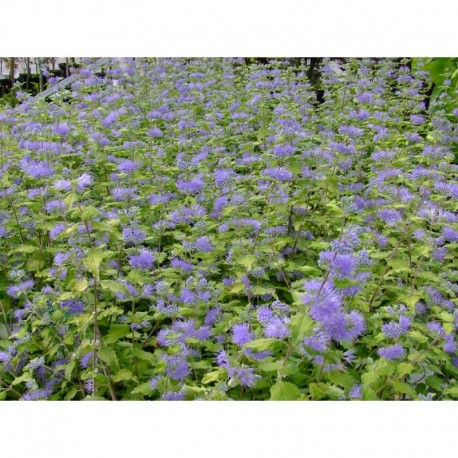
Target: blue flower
{"x": 144, "y": 260}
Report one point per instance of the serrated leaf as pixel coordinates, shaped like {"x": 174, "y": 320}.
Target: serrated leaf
{"x": 434, "y": 382}
{"x": 116, "y": 332}
{"x": 237, "y": 288}
{"x": 144, "y": 389}
{"x": 3, "y": 332}
{"x": 69, "y": 369}
{"x": 248, "y": 261}
{"x": 301, "y": 324}
{"x": 80, "y": 285}
{"x": 271, "y": 366}
{"x": 318, "y": 390}
{"x": 405, "y": 388}
{"x": 92, "y": 263}
{"x": 25, "y": 249}
{"x": 284, "y": 391}
{"x": 403, "y": 369}
{"x": 213, "y": 376}
{"x": 369, "y": 394}
{"x": 262, "y": 344}
{"x": 25, "y": 377}
{"x": 71, "y": 394}
{"x": 341, "y": 379}
{"x": 418, "y": 336}
{"x": 65, "y": 296}
{"x": 369, "y": 377}
{"x": 123, "y": 375}
{"x": 114, "y": 286}
{"x": 261, "y": 290}
{"x": 144, "y": 356}
{"x": 108, "y": 356}
{"x": 452, "y": 391}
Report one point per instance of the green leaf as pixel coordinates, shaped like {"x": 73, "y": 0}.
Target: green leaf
{"x": 410, "y": 300}
{"x": 71, "y": 394}
{"x": 369, "y": 394}
{"x": 144, "y": 389}
{"x": 89, "y": 213}
{"x": 26, "y": 249}
{"x": 418, "y": 336}
{"x": 92, "y": 262}
{"x": 70, "y": 199}
{"x": 25, "y": 377}
{"x": 341, "y": 379}
{"x": 369, "y": 377}
{"x": 237, "y": 287}
{"x": 65, "y": 296}
{"x": 144, "y": 356}
{"x": 123, "y": 375}
{"x": 261, "y": 290}
{"x": 405, "y": 388}
{"x": 69, "y": 369}
{"x": 271, "y": 366}
{"x": 434, "y": 382}
{"x": 403, "y": 369}
{"x": 452, "y": 391}
{"x": 114, "y": 286}
{"x": 248, "y": 261}
{"x": 116, "y": 332}
{"x": 3, "y": 332}
{"x": 318, "y": 390}
{"x": 284, "y": 391}
{"x": 80, "y": 285}
{"x": 213, "y": 376}
{"x": 108, "y": 355}
{"x": 301, "y": 324}
{"x": 262, "y": 344}
{"x": 105, "y": 227}
{"x": 344, "y": 283}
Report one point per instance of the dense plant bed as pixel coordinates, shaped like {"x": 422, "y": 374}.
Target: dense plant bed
{"x": 206, "y": 229}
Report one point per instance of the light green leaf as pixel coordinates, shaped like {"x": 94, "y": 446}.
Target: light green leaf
{"x": 405, "y": 388}
{"x": 248, "y": 261}
{"x": 262, "y": 344}
{"x": 116, "y": 332}
{"x": 271, "y": 366}
{"x": 114, "y": 286}
{"x": 214, "y": 376}
{"x": 301, "y": 324}
{"x": 284, "y": 391}
{"x": 71, "y": 394}
{"x": 123, "y": 375}
{"x": 144, "y": 356}
{"x": 25, "y": 249}
{"x": 25, "y": 377}
{"x": 452, "y": 391}
{"x": 80, "y": 285}
{"x": 69, "y": 369}
{"x": 144, "y": 389}
{"x": 92, "y": 262}
{"x": 3, "y": 331}
{"x": 318, "y": 390}
{"x": 108, "y": 355}
{"x": 403, "y": 369}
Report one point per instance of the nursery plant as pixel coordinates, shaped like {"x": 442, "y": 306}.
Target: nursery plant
{"x": 209, "y": 229}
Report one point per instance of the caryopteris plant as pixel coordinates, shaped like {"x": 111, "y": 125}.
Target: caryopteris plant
{"x": 207, "y": 229}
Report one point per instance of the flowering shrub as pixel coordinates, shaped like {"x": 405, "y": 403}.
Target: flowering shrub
{"x": 206, "y": 229}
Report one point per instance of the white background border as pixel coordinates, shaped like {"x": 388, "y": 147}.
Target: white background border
{"x": 228, "y": 28}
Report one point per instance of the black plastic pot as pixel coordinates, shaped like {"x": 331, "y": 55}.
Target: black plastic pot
{"x": 57, "y": 73}
{"x": 6, "y": 82}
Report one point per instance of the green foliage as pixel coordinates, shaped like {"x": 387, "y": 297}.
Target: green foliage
{"x": 208, "y": 229}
